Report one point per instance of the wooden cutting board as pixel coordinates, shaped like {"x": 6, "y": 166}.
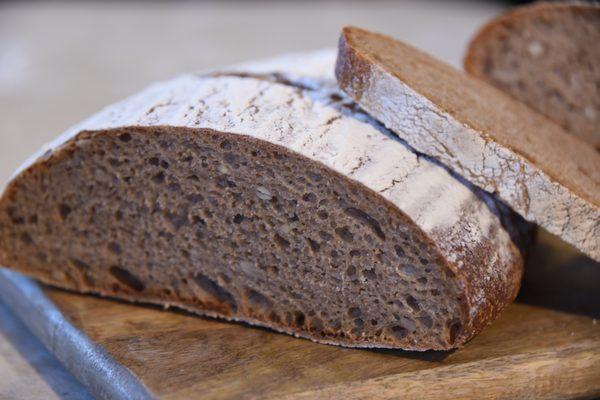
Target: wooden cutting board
{"x": 546, "y": 345}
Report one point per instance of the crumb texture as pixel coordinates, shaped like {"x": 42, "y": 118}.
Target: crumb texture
{"x": 547, "y": 56}
{"x": 274, "y": 202}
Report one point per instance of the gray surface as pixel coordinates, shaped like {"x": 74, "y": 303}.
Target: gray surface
{"x": 29, "y": 371}
{"x": 60, "y": 62}
{"x": 89, "y": 362}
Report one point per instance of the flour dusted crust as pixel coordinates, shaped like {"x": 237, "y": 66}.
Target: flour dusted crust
{"x": 546, "y": 175}
{"x": 309, "y": 117}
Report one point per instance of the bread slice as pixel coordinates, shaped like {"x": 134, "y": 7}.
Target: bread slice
{"x": 546, "y": 55}
{"x": 497, "y": 143}
{"x": 258, "y": 199}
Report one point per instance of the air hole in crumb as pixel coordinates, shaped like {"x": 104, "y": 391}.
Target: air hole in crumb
{"x": 325, "y": 236}
{"x": 194, "y": 198}
{"x": 345, "y": 234}
{"x": 225, "y": 145}
{"x": 408, "y": 270}
{"x": 316, "y": 324}
{"x": 354, "y": 312}
{"x": 79, "y": 264}
{"x": 426, "y": 321}
{"x": 412, "y": 303}
{"x": 281, "y": 241}
{"x": 198, "y": 221}
{"x": 369, "y": 274}
{"x": 26, "y": 238}
{"x": 114, "y": 248}
{"x": 213, "y": 289}
{"x": 164, "y": 164}
{"x": 299, "y": 318}
{"x": 399, "y": 332}
{"x": 153, "y": 161}
{"x": 125, "y": 137}
{"x": 455, "y": 330}
{"x": 258, "y": 300}
{"x": 374, "y": 322}
{"x": 273, "y": 316}
{"x": 64, "y": 210}
{"x": 366, "y": 218}
{"x": 238, "y": 218}
{"x": 127, "y": 278}
{"x": 399, "y": 251}
{"x": 322, "y": 214}
{"x": 351, "y": 272}
{"x": 309, "y": 197}
{"x": 174, "y": 187}
{"x": 177, "y": 221}
{"x": 358, "y": 323}
{"x": 314, "y": 245}
{"x": 158, "y": 178}
{"x": 422, "y": 280}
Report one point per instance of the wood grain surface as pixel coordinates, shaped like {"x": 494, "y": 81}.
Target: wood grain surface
{"x": 546, "y": 345}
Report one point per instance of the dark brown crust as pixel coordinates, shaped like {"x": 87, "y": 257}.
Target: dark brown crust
{"x": 495, "y": 300}
{"x": 473, "y": 61}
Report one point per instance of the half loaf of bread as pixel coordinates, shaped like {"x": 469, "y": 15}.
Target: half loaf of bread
{"x": 260, "y": 199}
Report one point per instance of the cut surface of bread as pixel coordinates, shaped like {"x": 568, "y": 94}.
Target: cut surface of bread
{"x": 256, "y": 199}
{"x": 546, "y": 55}
{"x": 497, "y": 143}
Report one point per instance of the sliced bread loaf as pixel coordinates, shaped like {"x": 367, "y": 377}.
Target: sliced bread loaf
{"x": 258, "y": 199}
{"x": 546, "y": 55}
{"x": 548, "y": 176}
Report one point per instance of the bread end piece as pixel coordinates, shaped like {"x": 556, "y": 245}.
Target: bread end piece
{"x": 547, "y": 56}
{"x": 546, "y": 175}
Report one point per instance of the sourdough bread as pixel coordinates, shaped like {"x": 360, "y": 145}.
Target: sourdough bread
{"x": 497, "y": 143}
{"x": 546, "y": 55}
{"x": 261, "y": 199}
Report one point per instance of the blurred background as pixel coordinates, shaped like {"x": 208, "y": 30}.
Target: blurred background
{"x": 62, "y": 61}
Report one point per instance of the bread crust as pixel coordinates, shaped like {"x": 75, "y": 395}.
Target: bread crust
{"x": 563, "y": 198}
{"x": 485, "y": 261}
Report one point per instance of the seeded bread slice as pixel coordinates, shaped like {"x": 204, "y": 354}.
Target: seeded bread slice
{"x": 546, "y": 55}
{"x": 258, "y": 199}
{"x": 497, "y": 143}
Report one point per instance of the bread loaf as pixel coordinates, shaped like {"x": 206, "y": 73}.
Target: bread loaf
{"x": 497, "y": 143}
{"x": 260, "y": 199}
{"x": 546, "y": 55}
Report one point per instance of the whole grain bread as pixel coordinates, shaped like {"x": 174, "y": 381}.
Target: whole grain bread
{"x": 261, "y": 199}
{"x": 497, "y": 143}
{"x": 546, "y": 55}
